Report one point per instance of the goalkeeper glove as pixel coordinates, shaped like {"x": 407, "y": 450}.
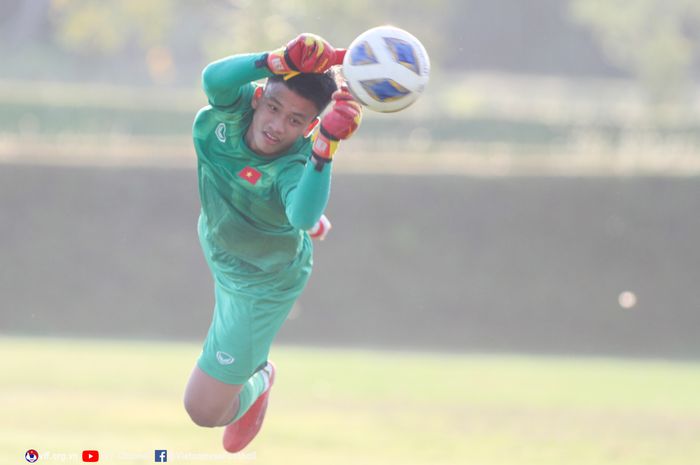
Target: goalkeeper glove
{"x": 338, "y": 124}
{"x": 307, "y": 53}
{"x": 320, "y": 229}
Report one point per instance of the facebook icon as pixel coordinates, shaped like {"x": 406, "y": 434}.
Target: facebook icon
{"x": 161, "y": 455}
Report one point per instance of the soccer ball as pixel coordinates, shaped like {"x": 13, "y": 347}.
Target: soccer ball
{"x": 386, "y": 69}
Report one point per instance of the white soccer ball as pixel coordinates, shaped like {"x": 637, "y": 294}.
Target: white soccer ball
{"x": 386, "y": 69}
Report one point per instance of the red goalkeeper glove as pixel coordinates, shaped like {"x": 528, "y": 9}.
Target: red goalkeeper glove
{"x": 320, "y": 229}
{"x": 308, "y": 53}
{"x": 338, "y": 124}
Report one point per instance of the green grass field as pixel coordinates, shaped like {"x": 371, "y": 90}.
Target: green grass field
{"x": 337, "y": 407}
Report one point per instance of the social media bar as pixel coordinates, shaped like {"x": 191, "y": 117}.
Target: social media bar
{"x": 156, "y": 456}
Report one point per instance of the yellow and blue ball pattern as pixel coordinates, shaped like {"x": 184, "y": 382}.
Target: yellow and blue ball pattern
{"x": 363, "y": 55}
{"x": 403, "y": 53}
{"x": 384, "y": 90}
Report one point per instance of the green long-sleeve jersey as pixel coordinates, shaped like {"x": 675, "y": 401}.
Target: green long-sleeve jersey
{"x": 254, "y": 209}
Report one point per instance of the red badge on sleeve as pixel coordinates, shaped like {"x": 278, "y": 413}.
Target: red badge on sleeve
{"x": 250, "y": 174}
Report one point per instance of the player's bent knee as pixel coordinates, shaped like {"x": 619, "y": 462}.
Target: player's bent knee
{"x": 208, "y": 401}
{"x": 200, "y": 414}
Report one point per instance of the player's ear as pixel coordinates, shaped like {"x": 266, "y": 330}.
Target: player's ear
{"x": 257, "y": 95}
{"x": 311, "y": 126}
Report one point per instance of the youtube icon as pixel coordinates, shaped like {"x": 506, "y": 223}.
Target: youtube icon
{"x": 91, "y": 456}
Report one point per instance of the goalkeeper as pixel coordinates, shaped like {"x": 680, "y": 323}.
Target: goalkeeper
{"x": 264, "y": 168}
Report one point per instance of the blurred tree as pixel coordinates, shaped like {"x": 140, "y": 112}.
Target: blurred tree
{"x": 109, "y": 28}
{"x": 250, "y": 25}
{"x": 169, "y": 40}
{"x": 657, "y": 40}
{"x": 122, "y": 39}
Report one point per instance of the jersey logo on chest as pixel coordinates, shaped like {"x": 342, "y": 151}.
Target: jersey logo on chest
{"x": 221, "y": 132}
{"x": 250, "y": 174}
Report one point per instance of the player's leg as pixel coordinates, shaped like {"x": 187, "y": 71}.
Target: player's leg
{"x": 218, "y": 386}
{"x": 236, "y": 351}
{"x": 251, "y": 413}
{"x": 270, "y": 312}
{"x": 210, "y": 402}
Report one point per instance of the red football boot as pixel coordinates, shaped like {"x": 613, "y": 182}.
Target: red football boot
{"x": 238, "y": 434}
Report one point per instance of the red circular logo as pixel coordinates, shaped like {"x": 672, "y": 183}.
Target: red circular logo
{"x": 31, "y": 456}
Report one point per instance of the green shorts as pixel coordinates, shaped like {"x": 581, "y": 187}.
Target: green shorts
{"x": 247, "y": 316}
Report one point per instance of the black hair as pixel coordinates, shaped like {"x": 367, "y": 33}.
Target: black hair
{"x": 318, "y": 88}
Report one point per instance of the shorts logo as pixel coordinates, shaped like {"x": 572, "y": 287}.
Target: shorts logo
{"x": 224, "y": 359}
{"x": 221, "y": 132}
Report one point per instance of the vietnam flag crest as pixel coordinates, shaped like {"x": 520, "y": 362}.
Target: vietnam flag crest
{"x": 250, "y": 174}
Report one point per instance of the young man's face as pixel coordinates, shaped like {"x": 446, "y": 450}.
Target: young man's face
{"x": 281, "y": 116}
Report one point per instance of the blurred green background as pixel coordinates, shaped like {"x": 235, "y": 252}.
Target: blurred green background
{"x": 570, "y": 76}
{"x": 512, "y": 276}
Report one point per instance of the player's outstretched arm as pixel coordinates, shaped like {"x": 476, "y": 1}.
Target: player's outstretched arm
{"x": 306, "y": 203}
{"x": 307, "y": 53}
{"x": 223, "y": 79}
